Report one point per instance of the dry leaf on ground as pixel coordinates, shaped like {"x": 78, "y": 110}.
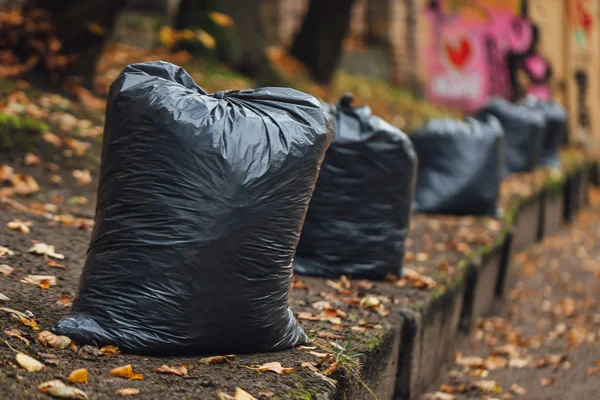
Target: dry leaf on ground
{"x": 14, "y": 333}
{"x": 64, "y": 301}
{"x": 31, "y": 159}
{"x": 29, "y": 363}
{"x": 221, "y": 19}
{"x": 331, "y": 369}
{"x": 18, "y": 225}
{"x": 54, "y": 264}
{"x": 83, "y": 176}
{"x": 488, "y": 386}
{"x": 25, "y": 319}
{"x": 49, "y": 339}
{"x": 109, "y": 351}
{"x": 51, "y": 138}
{"x": 43, "y": 281}
{"x": 126, "y": 371}
{"x": 45, "y": 249}
{"x": 4, "y": 297}
{"x": 6, "y": 269}
{"x": 58, "y": 389}
{"x": 547, "y": 381}
{"x": 5, "y": 251}
{"x": 165, "y": 369}
{"x": 518, "y": 390}
{"x": 217, "y": 359}
{"x": 128, "y": 392}
{"x": 241, "y": 394}
{"x": 442, "y": 396}
{"x": 78, "y": 376}
{"x": 273, "y": 367}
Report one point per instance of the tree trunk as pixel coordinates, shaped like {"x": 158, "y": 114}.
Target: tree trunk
{"x": 81, "y": 27}
{"x": 319, "y": 42}
{"x": 242, "y": 45}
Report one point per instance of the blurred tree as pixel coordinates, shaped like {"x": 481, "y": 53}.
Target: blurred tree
{"x": 318, "y": 44}
{"x": 74, "y": 38}
{"x": 241, "y": 44}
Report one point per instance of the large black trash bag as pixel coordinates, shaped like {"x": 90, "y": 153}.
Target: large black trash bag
{"x": 201, "y": 202}
{"x": 461, "y": 164}
{"x": 358, "y": 219}
{"x": 556, "y": 127}
{"x": 524, "y": 131}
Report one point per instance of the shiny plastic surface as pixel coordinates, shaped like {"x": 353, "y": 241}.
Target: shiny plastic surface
{"x": 201, "y": 202}
{"x": 556, "y": 128}
{"x": 358, "y": 218}
{"x": 461, "y": 164}
{"x": 524, "y": 131}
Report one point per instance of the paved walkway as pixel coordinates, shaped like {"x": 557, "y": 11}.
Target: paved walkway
{"x": 543, "y": 341}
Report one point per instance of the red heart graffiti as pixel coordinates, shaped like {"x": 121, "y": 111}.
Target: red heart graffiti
{"x": 459, "y": 55}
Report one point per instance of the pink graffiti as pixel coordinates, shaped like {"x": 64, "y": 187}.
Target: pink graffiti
{"x": 467, "y": 61}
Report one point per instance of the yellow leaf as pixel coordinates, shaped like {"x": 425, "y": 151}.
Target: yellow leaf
{"x": 206, "y": 39}
{"x": 126, "y": 371}
{"x": 49, "y": 339}
{"x": 95, "y": 29}
{"x": 167, "y": 36}
{"x": 29, "y": 363}
{"x": 165, "y": 369}
{"x": 128, "y": 392}
{"x": 59, "y": 390}
{"x": 186, "y": 34}
{"x": 221, "y": 19}
{"x": 78, "y": 376}
{"x": 110, "y": 351}
{"x": 18, "y": 225}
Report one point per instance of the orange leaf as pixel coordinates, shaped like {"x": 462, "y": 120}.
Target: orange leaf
{"x": 78, "y": 376}
{"x": 221, "y": 19}
{"x": 165, "y": 369}
{"x": 126, "y": 371}
{"x": 110, "y": 351}
{"x": 54, "y": 264}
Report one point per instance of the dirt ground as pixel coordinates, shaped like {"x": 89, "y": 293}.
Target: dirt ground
{"x": 542, "y": 341}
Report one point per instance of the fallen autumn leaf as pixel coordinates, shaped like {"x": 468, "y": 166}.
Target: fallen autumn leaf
{"x": 78, "y": 376}
{"x": 128, "y": 392}
{"x": 126, "y": 371}
{"x": 49, "y": 339}
{"x": 29, "y": 363}
{"x": 45, "y": 249}
{"x": 58, "y": 389}
{"x": 165, "y": 369}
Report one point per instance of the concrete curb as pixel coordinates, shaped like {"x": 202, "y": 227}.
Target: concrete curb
{"x": 421, "y": 337}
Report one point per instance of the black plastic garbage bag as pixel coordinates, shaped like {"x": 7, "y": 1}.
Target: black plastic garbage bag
{"x": 461, "y": 164}
{"x": 524, "y": 130}
{"x": 201, "y": 202}
{"x": 556, "y": 127}
{"x": 358, "y": 218}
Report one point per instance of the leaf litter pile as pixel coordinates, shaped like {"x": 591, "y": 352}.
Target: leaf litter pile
{"x": 544, "y": 341}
